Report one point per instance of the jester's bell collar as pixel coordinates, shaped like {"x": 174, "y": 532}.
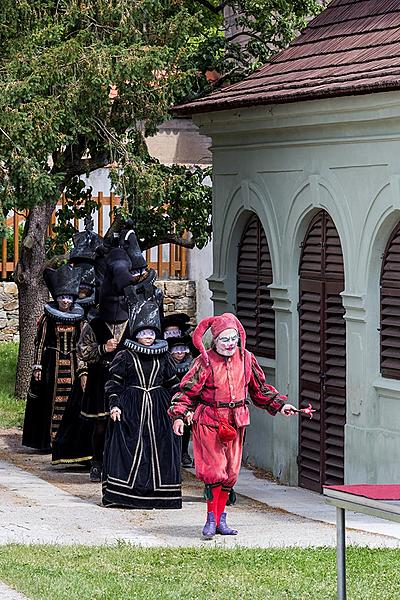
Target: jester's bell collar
{"x": 159, "y": 347}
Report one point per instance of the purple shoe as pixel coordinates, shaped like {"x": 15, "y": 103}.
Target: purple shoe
{"x": 223, "y": 528}
{"x": 210, "y": 527}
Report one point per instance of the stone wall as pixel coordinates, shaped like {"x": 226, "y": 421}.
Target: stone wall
{"x": 8, "y": 311}
{"x": 179, "y": 296}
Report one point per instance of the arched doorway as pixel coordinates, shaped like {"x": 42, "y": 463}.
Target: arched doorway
{"x": 253, "y": 299}
{"x": 322, "y": 356}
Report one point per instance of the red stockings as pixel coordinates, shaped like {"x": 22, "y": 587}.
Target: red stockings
{"x": 220, "y": 497}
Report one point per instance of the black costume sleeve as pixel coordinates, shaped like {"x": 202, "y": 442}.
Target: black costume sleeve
{"x": 171, "y": 381}
{"x": 40, "y": 342}
{"x": 117, "y": 382}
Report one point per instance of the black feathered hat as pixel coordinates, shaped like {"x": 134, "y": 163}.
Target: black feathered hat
{"x": 63, "y": 281}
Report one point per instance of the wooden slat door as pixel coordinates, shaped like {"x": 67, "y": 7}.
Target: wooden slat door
{"x": 390, "y": 307}
{"x": 322, "y": 356}
{"x": 253, "y": 299}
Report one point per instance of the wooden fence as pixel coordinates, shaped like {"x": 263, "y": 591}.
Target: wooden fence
{"x": 169, "y": 260}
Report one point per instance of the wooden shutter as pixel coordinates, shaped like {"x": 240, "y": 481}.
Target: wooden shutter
{"x": 322, "y": 356}
{"x": 390, "y": 307}
{"x": 334, "y": 385}
{"x": 253, "y": 299}
{"x": 311, "y": 294}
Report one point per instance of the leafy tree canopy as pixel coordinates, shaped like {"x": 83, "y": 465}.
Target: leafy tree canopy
{"x": 83, "y": 81}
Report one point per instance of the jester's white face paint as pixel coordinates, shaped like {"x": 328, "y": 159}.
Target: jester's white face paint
{"x": 227, "y": 342}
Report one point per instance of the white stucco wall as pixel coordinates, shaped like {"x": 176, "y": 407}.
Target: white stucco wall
{"x": 285, "y": 162}
{"x": 199, "y": 269}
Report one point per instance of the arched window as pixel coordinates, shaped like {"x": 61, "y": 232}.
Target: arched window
{"x": 390, "y": 307}
{"x": 253, "y": 299}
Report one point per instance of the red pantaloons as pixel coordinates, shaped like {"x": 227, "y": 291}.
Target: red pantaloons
{"x": 216, "y": 462}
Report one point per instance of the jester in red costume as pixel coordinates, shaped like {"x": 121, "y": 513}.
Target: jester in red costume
{"x": 213, "y": 397}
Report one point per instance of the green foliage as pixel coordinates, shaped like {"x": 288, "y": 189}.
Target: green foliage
{"x": 163, "y": 199}
{"x": 78, "y": 204}
{"x": 59, "y": 61}
{"x": 11, "y": 409}
{"x": 125, "y": 571}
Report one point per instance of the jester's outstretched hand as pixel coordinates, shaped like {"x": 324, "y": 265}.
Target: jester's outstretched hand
{"x": 308, "y": 411}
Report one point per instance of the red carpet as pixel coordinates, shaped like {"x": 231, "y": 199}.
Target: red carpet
{"x": 375, "y": 492}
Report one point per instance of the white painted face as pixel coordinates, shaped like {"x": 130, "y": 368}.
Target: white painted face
{"x": 64, "y": 303}
{"x": 227, "y": 342}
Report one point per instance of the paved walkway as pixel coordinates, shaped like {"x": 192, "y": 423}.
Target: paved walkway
{"x": 35, "y": 511}
{"x": 310, "y": 505}
{"x": 7, "y": 593}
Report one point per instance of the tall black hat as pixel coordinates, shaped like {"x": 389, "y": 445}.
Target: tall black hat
{"x": 87, "y": 275}
{"x": 63, "y": 281}
{"x": 85, "y": 244}
{"x": 181, "y": 320}
{"x": 144, "y": 315}
{"x": 87, "y": 282}
{"x": 129, "y": 242}
{"x": 184, "y": 340}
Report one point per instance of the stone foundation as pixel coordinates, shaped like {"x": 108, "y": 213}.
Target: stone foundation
{"x": 179, "y": 296}
{"x": 8, "y": 312}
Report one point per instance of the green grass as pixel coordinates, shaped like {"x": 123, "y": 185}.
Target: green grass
{"x": 11, "y": 410}
{"x": 126, "y": 572}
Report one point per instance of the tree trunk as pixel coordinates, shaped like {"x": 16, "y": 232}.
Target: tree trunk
{"x": 32, "y": 290}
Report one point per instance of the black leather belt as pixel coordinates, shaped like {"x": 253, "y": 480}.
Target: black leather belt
{"x": 231, "y": 404}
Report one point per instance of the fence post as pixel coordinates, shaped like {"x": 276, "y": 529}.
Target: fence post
{"x": 4, "y": 258}
{"x": 184, "y": 261}
{"x": 112, "y": 204}
{"x": 100, "y": 212}
{"x": 159, "y": 260}
{"x": 16, "y": 239}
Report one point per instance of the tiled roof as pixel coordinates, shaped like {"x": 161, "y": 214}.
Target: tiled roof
{"x": 352, "y": 47}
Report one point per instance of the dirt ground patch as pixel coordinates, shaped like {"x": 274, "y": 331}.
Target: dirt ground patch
{"x": 70, "y": 478}
{"x": 75, "y": 478}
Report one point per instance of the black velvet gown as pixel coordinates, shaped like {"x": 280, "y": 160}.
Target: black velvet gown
{"x": 55, "y": 352}
{"x": 141, "y": 467}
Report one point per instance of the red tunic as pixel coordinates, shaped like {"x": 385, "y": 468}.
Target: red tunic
{"x": 203, "y": 389}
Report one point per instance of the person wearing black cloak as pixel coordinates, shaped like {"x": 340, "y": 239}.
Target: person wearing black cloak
{"x": 141, "y": 457}
{"x": 55, "y": 361}
{"x": 179, "y": 348}
{"x": 125, "y": 279}
{"x": 73, "y": 442}
{"x": 176, "y": 329}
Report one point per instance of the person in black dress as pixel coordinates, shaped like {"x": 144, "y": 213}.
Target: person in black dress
{"x": 55, "y": 362}
{"x": 180, "y": 350}
{"x": 73, "y": 442}
{"x": 125, "y": 280}
{"x": 142, "y": 456}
